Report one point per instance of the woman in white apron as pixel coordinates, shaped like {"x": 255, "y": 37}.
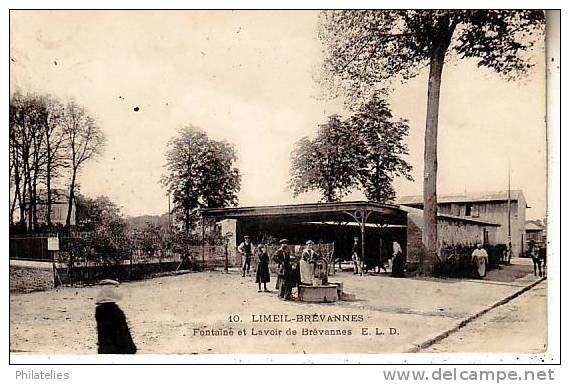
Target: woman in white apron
{"x": 306, "y": 264}
{"x": 480, "y": 260}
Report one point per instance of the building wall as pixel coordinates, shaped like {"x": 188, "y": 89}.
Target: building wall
{"x": 414, "y": 240}
{"x": 496, "y": 212}
{"x": 450, "y": 232}
{"x": 58, "y": 213}
{"x": 536, "y": 236}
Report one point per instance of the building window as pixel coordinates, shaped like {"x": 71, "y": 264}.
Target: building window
{"x": 455, "y": 210}
{"x": 475, "y": 211}
{"x": 468, "y": 209}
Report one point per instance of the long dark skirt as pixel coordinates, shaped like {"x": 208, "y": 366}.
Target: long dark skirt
{"x": 262, "y": 274}
{"x": 279, "y": 282}
{"x": 113, "y": 332}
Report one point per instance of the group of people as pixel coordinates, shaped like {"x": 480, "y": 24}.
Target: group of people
{"x": 289, "y": 272}
{"x": 310, "y": 266}
{"x": 246, "y": 249}
{"x": 396, "y": 260}
{"x": 480, "y": 260}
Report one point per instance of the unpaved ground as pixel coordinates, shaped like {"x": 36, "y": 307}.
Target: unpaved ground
{"x": 164, "y": 312}
{"x": 30, "y": 279}
{"x": 511, "y": 328}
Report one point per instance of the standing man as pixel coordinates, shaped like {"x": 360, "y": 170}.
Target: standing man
{"x": 357, "y": 256}
{"x": 246, "y": 251}
{"x": 509, "y": 253}
{"x": 536, "y": 258}
{"x": 284, "y": 273}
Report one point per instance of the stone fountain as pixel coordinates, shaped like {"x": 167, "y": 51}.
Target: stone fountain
{"x": 322, "y": 291}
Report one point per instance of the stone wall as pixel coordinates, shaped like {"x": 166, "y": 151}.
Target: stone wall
{"x": 415, "y": 245}
{"x": 450, "y": 232}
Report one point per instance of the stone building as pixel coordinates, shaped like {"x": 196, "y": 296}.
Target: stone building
{"x": 488, "y": 207}
{"x": 59, "y": 207}
{"x": 535, "y": 233}
{"x": 451, "y": 230}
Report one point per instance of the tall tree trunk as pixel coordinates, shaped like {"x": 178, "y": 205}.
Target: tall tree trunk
{"x": 34, "y": 199}
{"x": 48, "y": 207}
{"x": 13, "y": 207}
{"x": 48, "y": 182}
{"x": 71, "y": 199}
{"x": 12, "y": 201}
{"x": 22, "y": 201}
{"x": 17, "y": 198}
{"x": 430, "y": 156}
{"x": 186, "y": 220}
{"x": 30, "y": 202}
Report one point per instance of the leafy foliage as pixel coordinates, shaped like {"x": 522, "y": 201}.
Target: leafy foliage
{"x": 92, "y": 214}
{"x": 200, "y": 173}
{"x": 367, "y": 49}
{"x": 104, "y": 229}
{"x": 329, "y": 163}
{"x": 381, "y": 143}
{"x": 364, "y": 151}
{"x": 150, "y": 238}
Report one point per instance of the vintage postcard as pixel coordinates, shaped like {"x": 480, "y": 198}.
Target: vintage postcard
{"x": 211, "y": 182}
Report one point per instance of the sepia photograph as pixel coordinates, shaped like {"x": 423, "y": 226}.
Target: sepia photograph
{"x": 280, "y": 182}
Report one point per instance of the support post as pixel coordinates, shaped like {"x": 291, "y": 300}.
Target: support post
{"x": 226, "y": 266}
{"x": 203, "y": 241}
{"x": 54, "y": 270}
{"x": 362, "y": 233}
{"x": 361, "y": 217}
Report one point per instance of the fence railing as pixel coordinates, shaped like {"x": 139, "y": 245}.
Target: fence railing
{"x": 32, "y": 247}
{"x": 82, "y": 257}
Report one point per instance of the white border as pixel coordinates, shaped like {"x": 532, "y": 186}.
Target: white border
{"x": 552, "y": 356}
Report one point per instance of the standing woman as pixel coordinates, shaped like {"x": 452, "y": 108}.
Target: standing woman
{"x": 113, "y": 334}
{"x": 262, "y": 274}
{"x": 306, "y": 264}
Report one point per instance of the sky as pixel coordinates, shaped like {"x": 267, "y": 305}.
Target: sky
{"x": 248, "y": 77}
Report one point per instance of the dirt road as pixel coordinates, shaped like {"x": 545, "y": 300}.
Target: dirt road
{"x": 183, "y": 314}
{"x": 518, "y": 325}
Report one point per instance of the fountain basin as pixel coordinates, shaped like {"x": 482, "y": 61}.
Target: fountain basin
{"x": 326, "y": 293}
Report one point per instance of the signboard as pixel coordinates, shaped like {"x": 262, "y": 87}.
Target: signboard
{"x": 53, "y": 243}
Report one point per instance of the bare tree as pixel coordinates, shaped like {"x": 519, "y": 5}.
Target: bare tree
{"x": 84, "y": 140}
{"x": 54, "y": 137}
{"x": 16, "y": 168}
{"x": 27, "y": 154}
